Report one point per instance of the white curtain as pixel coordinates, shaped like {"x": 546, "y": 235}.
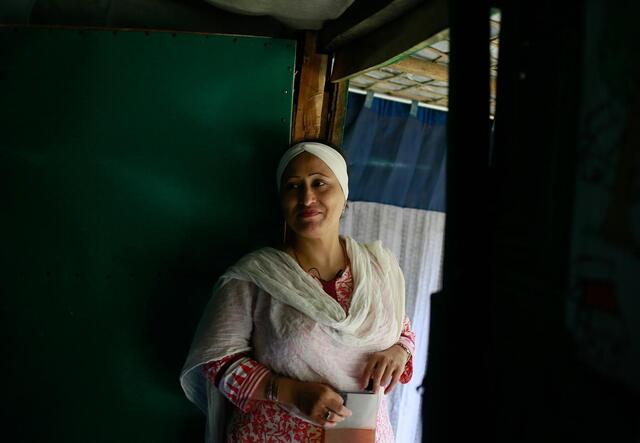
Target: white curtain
{"x": 416, "y": 237}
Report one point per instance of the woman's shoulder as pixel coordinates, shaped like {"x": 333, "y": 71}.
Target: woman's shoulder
{"x": 255, "y": 266}
{"x": 231, "y": 284}
{"x": 257, "y": 255}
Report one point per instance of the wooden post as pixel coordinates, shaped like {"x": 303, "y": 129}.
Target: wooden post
{"x": 309, "y": 122}
{"x": 337, "y": 112}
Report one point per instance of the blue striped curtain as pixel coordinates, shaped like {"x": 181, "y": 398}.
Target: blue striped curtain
{"x": 394, "y": 157}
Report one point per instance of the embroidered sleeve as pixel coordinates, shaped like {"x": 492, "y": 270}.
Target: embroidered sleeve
{"x": 407, "y": 341}
{"x": 236, "y": 377}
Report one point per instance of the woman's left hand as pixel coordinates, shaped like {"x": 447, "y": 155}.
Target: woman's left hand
{"x": 385, "y": 368}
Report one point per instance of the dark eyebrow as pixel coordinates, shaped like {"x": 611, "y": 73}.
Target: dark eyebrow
{"x": 313, "y": 173}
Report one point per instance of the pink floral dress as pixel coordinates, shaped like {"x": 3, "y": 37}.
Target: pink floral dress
{"x": 237, "y": 377}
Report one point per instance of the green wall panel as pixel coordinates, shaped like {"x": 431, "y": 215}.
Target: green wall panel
{"x": 134, "y": 168}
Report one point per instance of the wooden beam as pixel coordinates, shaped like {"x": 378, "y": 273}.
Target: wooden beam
{"x": 412, "y": 65}
{"x": 308, "y": 119}
{"x": 436, "y": 71}
{"x": 360, "y": 19}
{"x": 338, "y": 112}
{"x": 395, "y": 40}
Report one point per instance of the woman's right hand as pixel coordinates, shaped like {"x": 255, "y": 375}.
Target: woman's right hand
{"x": 316, "y": 400}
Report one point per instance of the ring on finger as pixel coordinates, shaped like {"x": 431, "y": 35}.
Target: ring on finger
{"x": 327, "y": 415}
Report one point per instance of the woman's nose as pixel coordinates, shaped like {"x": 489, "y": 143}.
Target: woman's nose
{"x": 307, "y": 196}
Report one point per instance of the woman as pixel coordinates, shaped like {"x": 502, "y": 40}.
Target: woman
{"x": 287, "y": 328}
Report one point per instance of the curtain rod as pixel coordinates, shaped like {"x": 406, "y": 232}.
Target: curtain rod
{"x": 403, "y": 100}
{"x": 397, "y": 99}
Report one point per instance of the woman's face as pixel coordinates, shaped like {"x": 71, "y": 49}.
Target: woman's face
{"x": 311, "y": 197}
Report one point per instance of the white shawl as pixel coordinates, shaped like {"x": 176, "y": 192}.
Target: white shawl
{"x": 374, "y": 321}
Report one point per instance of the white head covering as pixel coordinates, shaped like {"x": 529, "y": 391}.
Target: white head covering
{"x": 327, "y": 154}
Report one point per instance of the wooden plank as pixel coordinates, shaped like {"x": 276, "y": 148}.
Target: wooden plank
{"x": 338, "y": 113}
{"x": 424, "y": 68}
{"x": 412, "y": 31}
{"x": 436, "y": 71}
{"x": 308, "y": 120}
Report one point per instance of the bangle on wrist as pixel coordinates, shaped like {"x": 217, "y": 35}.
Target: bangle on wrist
{"x": 409, "y": 355}
{"x": 271, "y": 389}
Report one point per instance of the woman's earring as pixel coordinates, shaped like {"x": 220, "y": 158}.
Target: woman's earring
{"x": 284, "y": 234}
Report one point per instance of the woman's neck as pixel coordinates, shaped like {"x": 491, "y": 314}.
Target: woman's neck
{"x": 326, "y": 255}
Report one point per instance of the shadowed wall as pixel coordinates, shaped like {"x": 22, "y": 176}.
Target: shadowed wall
{"x": 134, "y": 168}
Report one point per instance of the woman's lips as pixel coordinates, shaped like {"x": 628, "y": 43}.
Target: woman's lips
{"x": 308, "y": 213}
